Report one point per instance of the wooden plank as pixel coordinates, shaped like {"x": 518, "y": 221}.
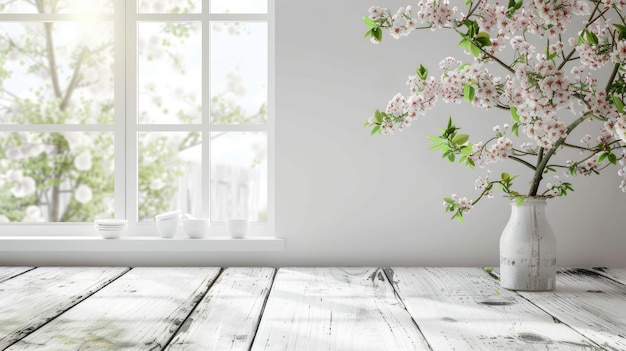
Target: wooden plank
{"x": 30, "y": 300}
{"x": 139, "y": 311}
{"x": 617, "y": 274}
{"x": 7, "y": 273}
{"x": 228, "y": 316}
{"x": 335, "y": 309}
{"x": 465, "y": 309}
{"x": 589, "y": 303}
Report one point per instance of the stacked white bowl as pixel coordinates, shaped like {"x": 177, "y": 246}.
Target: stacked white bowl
{"x": 111, "y": 228}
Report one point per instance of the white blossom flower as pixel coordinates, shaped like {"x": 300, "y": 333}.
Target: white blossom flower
{"x": 83, "y": 194}
{"x": 24, "y": 187}
{"x": 82, "y": 162}
{"x": 15, "y": 175}
{"x": 157, "y": 184}
{"x": 236, "y": 83}
{"x": 33, "y": 214}
{"x": 14, "y": 153}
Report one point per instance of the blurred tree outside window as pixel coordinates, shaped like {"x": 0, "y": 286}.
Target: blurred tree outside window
{"x": 181, "y": 123}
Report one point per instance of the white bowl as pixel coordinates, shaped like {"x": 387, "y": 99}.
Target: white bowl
{"x": 111, "y": 222}
{"x": 111, "y": 234}
{"x": 196, "y": 228}
{"x": 167, "y": 227}
{"x": 237, "y": 227}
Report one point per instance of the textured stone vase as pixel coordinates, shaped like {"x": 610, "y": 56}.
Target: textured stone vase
{"x": 528, "y": 248}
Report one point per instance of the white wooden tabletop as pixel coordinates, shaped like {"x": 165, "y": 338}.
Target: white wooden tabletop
{"x": 357, "y": 308}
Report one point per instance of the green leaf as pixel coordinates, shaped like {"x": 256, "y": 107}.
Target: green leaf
{"x": 622, "y": 31}
{"x": 520, "y": 200}
{"x": 377, "y": 34}
{"x": 514, "y": 114}
{"x": 475, "y": 50}
{"x": 468, "y": 92}
{"x": 449, "y": 200}
{"x": 422, "y": 72}
{"x": 370, "y": 22}
{"x": 603, "y": 156}
{"x": 515, "y": 129}
{"x": 460, "y": 139}
{"x": 369, "y": 33}
{"x": 466, "y": 150}
{"x": 618, "y": 103}
{"x": 375, "y": 130}
{"x": 505, "y": 176}
{"x": 612, "y": 158}
{"x": 441, "y": 146}
{"x": 378, "y": 116}
{"x": 484, "y": 39}
{"x": 464, "y": 44}
{"x": 591, "y": 37}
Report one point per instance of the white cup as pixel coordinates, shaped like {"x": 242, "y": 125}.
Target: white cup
{"x": 237, "y": 227}
{"x": 167, "y": 227}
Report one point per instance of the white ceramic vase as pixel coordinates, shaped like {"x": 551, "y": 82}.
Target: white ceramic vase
{"x": 528, "y": 248}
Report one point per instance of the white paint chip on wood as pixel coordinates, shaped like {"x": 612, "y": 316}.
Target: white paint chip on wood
{"x": 335, "y": 309}
{"x": 229, "y": 314}
{"x": 30, "y": 300}
{"x": 10, "y": 272}
{"x": 591, "y": 304}
{"x": 139, "y": 311}
{"x": 465, "y": 309}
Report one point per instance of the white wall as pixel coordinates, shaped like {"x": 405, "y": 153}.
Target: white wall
{"x": 347, "y": 198}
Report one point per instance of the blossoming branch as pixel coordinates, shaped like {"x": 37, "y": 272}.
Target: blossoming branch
{"x": 547, "y": 92}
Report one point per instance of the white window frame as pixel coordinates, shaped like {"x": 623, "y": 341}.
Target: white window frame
{"x": 125, "y": 124}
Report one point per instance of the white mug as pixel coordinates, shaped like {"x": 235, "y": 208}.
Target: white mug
{"x": 237, "y": 227}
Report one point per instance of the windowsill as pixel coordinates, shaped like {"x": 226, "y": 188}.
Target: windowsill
{"x": 20, "y": 244}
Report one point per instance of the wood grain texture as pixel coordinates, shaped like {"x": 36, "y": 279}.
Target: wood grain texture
{"x": 229, "y": 314}
{"x": 30, "y": 300}
{"x": 10, "y": 272}
{"x": 617, "y": 274}
{"x": 335, "y": 309}
{"x": 465, "y": 309}
{"x": 139, "y": 311}
{"x": 589, "y": 303}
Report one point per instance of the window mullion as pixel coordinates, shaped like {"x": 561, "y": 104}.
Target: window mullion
{"x": 271, "y": 103}
{"x": 206, "y": 111}
{"x": 130, "y": 175}
{"x": 120, "y": 112}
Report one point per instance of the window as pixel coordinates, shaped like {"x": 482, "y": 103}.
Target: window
{"x": 126, "y": 109}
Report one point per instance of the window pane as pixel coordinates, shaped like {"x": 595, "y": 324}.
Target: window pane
{"x": 239, "y": 6}
{"x": 169, "y": 6}
{"x": 74, "y": 88}
{"x": 239, "y": 175}
{"x": 170, "y": 72}
{"x": 56, "y": 177}
{"x": 238, "y": 73}
{"x": 57, "y": 6}
{"x": 170, "y": 173}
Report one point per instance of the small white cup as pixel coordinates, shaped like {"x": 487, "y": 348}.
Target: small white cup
{"x": 237, "y": 227}
{"x": 167, "y": 227}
